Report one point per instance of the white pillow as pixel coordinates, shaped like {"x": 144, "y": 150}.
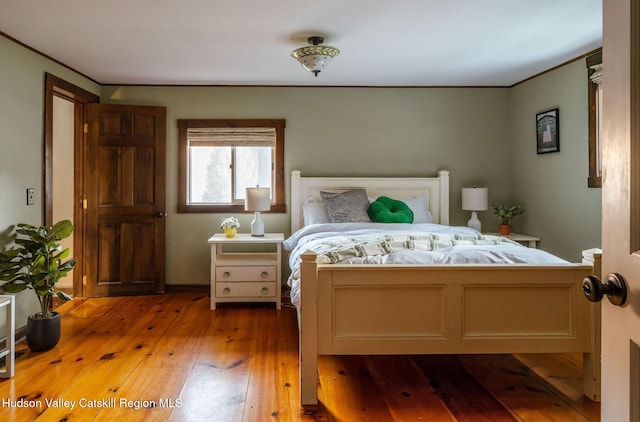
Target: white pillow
{"x": 420, "y": 207}
{"x": 314, "y": 212}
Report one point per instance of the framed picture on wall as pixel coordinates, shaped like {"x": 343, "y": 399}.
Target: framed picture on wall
{"x": 548, "y": 131}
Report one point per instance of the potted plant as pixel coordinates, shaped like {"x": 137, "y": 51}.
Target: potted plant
{"x": 230, "y": 226}
{"x": 505, "y": 214}
{"x": 36, "y": 262}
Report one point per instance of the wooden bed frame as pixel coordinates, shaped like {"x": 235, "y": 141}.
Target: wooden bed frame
{"x": 437, "y": 309}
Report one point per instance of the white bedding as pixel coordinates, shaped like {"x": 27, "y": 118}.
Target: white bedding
{"x": 453, "y": 245}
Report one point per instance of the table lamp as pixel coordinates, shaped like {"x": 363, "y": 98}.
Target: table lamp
{"x": 475, "y": 199}
{"x": 257, "y": 199}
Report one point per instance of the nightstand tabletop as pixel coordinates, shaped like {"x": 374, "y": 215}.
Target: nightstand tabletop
{"x": 247, "y": 238}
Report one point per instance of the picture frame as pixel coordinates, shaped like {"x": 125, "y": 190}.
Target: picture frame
{"x": 548, "y": 131}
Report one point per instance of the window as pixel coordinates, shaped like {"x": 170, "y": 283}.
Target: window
{"x": 220, "y": 158}
{"x": 594, "y": 66}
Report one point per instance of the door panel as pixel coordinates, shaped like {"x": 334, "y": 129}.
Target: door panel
{"x": 620, "y": 187}
{"x": 125, "y": 173}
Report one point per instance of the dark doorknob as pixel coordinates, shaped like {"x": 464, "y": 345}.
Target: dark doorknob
{"x": 158, "y": 214}
{"x": 614, "y": 286}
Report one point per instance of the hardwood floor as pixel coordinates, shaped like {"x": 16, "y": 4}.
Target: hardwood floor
{"x": 169, "y": 358}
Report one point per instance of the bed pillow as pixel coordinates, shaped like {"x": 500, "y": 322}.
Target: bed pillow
{"x": 420, "y": 207}
{"x": 314, "y": 212}
{"x": 387, "y": 210}
{"x": 347, "y": 207}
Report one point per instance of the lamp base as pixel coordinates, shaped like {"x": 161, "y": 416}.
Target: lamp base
{"x": 257, "y": 226}
{"x": 474, "y": 222}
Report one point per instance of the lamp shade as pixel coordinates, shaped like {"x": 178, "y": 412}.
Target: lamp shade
{"x": 315, "y": 57}
{"x": 475, "y": 199}
{"x": 257, "y": 199}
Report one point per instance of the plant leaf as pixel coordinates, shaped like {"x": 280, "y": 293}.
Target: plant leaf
{"x": 61, "y": 230}
{"x": 64, "y": 296}
{"x": 63, "y": 254}
{"x": 13, "y": 287}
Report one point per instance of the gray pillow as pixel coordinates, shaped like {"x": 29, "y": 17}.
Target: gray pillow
{"x": 347, "y": 207}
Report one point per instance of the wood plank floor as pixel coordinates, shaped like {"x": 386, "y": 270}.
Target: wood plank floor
{"x": 169, "y": 358}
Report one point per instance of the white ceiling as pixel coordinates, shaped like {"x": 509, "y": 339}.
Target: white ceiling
{"x": 249, "y": 42}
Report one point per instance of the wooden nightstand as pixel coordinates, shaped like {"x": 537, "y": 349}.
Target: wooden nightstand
{"x": 531, "y": 241}
{"x": 245, "y": 276}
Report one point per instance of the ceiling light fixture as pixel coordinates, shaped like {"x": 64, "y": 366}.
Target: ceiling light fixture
{"x": 315, "y": 57}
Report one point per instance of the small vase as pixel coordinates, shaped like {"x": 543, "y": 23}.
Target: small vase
{"x": 505, "y": 229}
{"x": 230, "y": 232}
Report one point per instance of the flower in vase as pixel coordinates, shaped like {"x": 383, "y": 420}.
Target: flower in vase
{"x": 229, "y": 222}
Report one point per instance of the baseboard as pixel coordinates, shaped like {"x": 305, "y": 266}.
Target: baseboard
{"x": 186, "y": 288}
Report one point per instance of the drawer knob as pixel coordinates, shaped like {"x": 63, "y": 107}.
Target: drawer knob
{"x": 226, "y": 274}
{"x": 264, "y": 274}
{"x": 265, "y": 290}
{"x": 226, "y": 290}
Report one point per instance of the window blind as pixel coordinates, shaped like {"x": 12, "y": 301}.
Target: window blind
{"x": 232, "y": 137}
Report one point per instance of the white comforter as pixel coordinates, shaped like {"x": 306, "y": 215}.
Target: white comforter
{"x": 454, "y": 245}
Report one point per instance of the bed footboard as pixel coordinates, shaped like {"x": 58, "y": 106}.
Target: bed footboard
{"x": 441, "y": 309}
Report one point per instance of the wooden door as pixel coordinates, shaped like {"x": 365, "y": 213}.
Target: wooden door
{"x": 621, "y": 208}
{"x": 125, "y": 200}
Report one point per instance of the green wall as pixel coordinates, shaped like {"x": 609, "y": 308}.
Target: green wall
{"x": 561, "y": 209}
{"x": 483, "y": 136}
{"x": 22, "y": 74}
{"x": 339, "y": 131}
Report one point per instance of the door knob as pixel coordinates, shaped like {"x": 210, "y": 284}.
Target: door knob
{"x": 159, "y": 214}
{"x": 614, "y": 286}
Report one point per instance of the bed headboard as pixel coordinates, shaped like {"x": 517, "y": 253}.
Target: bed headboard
{"x": 435, "y": 188}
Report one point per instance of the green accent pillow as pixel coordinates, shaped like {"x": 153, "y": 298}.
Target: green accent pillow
{"x": 387, "y": 210}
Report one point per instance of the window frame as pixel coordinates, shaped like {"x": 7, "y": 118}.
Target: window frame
{"x": 595, "y": 142}
{"x": 183, "y": 166}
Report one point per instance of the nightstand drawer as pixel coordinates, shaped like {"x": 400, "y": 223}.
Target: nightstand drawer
{"x": 248, "y": 289}
{"x": 245, "y": 274}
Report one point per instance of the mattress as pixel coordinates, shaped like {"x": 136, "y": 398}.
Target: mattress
{"x": 416, "y": 244}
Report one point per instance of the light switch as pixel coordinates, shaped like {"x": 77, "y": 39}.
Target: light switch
{"x": 31, "y": 196}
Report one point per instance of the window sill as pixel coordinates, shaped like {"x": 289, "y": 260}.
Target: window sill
{"x": 277, "y": 208}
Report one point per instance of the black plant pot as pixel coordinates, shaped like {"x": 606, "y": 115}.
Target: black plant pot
{"x": 43, "y": 333}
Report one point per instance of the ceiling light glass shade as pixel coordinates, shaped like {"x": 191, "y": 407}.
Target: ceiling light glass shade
{"x": 315, "y": 57}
